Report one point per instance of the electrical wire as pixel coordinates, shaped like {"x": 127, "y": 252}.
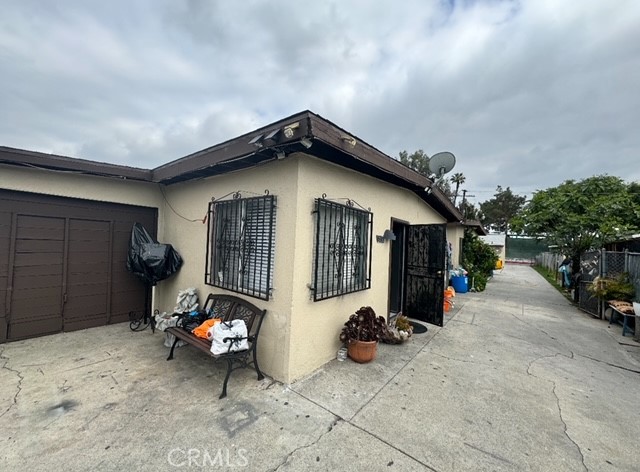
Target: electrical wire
{"x": 202, "y": 220}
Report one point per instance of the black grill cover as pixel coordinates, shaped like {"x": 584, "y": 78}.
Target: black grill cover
{"x": 149, "y": 260}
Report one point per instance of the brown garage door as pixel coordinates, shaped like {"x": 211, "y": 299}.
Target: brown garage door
{"x": 63, "y": 264}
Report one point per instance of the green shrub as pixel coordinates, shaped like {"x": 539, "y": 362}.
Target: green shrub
{"x": 478, "y": 258}
{"x": 619, "y": 288}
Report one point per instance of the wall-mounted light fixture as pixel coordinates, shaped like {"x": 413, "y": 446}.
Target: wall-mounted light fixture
{"x": 306, "y": 142}
{"x": 427, "y": 190}
{"x": 280, "y": 155}
{"x": 290, "y": 130}
{"x": 387, "y": 236}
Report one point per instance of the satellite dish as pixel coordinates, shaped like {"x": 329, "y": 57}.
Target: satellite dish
{"x": 441, "y": 163}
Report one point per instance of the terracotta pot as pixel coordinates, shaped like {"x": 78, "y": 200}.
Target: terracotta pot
{"x": 362, "y": 351}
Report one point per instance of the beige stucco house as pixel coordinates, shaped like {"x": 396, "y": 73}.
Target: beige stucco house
{"x": 299, "y": 216}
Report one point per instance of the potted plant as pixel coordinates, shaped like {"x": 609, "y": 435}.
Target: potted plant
{"x": 361, "y": 334}
{"x": 398, "y": 330}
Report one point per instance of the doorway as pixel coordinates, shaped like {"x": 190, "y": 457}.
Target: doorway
{"x": 417, "y": 268}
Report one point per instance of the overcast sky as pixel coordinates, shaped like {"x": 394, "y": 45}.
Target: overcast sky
{"x": 526, "y": 94}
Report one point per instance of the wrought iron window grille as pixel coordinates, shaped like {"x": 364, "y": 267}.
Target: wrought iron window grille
{"x": 240, "y": 244}
{"x": 342, "y": 255}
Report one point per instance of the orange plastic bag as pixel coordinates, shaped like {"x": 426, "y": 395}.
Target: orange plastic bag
{"x": 201, "y": 331}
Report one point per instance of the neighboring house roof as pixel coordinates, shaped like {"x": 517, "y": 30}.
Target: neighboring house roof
{"x": 302, "y": 132}
{"x": 476, "y": 225}
{"x": 495, "y": 239}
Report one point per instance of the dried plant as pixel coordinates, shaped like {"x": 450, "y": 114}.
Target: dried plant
{"x": 398, "y": 330}
{"x": 363, "y": 325}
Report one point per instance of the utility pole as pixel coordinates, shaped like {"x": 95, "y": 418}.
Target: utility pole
{"x": 464, "y": 200}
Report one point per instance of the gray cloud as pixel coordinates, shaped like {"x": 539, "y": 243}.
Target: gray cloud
{"x": 526, "y": 94}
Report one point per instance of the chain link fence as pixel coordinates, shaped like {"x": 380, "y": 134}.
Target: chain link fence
{"x": 610, "y": 264}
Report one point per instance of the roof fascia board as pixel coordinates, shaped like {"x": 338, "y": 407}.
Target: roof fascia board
{"x": 338, "y": 138}
{"x": 232, "y": 149}
{"x": 53, "y": 162}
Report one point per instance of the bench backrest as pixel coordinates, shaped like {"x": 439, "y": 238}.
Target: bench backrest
{"x": 230, "y": 308}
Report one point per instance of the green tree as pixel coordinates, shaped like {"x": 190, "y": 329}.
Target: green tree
{"x": 501, "y": 209}
{"x": 458, "y": 178}
{"x": 583, "y": 215}
{"x": 470, "y": 211}
{"x": 419, "y": 161}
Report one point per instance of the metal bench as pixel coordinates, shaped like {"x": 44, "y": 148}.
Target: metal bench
{"x": 228, "y": 308}
{"x": 626, "y": 317}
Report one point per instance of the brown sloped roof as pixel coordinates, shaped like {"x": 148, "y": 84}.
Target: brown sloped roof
{"x": 302, "y": 132}
{"x": 41, "y": 160}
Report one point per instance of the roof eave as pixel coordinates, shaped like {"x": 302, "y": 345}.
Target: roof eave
{"x": 54, "y": 162}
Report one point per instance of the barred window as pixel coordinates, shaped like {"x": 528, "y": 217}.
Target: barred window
{"x": 342, "y": 262}
{"x": 240, "y": 245}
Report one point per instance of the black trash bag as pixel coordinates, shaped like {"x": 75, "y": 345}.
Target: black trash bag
{"x": 149, "y": 260}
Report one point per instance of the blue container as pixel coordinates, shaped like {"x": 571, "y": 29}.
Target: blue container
{"x": 460, "y": 283}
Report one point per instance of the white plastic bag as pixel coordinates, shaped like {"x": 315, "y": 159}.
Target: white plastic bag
{"x": 187, "y": 301}
{"x": 164, "y": 321}
{"x": 228, "y": 329}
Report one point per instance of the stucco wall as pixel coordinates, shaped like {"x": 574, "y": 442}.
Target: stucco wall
{"x": 69, "y": 184}
{"x": 190, "y": 200}
{"x": 315, "y": 325}
{"x": 455, "y": 232}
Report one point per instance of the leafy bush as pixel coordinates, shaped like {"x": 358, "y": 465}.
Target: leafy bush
{"x": 478, "y": 258}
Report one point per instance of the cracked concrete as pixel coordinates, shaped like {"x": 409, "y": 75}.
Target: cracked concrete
{"x": 13, "y": 401}
{"x": 517, "y": 379}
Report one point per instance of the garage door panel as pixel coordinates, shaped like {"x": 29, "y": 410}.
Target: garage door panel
{"x": 24, "y": 310}
{"x": 90, "y": 236}
{"x": 97, "y": 268}
{"x": 78, "y": 226}
{"x": 33, "y": 328}
{"x": 37, "y": 271}
{"x": 91, "y": 287}
{"x": 126, "y": 283}
{"x": 38, "y": 225}
{"x": 128, "y": 301}
{"x": 83, "y": 306}
{"x": 36, "y": 282}
{"x": 84, "y": 323}
{"x": 91, "y": 247}
{"x": 39, "y": 246}
{"x": 5, "y": 224}
{"x": 119, "y": 317}
{"x": 34, "y": 293}
{"x": 38, "y": 259}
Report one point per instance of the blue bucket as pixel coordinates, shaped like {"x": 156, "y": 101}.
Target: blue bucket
{"x": 460, "y": 283}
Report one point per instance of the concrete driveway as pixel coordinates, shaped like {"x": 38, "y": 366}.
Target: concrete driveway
{"x": 518, "y": 379}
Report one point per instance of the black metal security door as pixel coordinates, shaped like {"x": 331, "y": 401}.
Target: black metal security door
{"x": 424, "y": 273}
